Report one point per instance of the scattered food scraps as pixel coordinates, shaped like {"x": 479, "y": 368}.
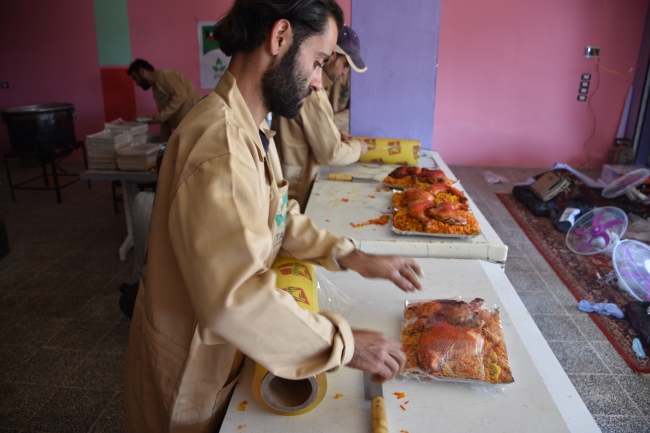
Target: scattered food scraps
{"x": 386, "y": 189}
{"x": 327, "y": 221}
{"x": 317, "y": 194}
{"x": 338, "y": 396}
{"x": 242, "y": 406}
{"x": 371, "y": 196}
{"x": 402, "y": 407}
{"x": 381, "y": 221}
{"x": 403, "y": 431}
{"x": 399, "y": 395}
{"x": 378, "y": 189}
{"x": 345, "y": 199}
{"x": 406, "y": 402}
{"x": 241, "y": 427}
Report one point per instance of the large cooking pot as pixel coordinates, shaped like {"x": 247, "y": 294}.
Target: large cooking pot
{"x": 38, "y": 128}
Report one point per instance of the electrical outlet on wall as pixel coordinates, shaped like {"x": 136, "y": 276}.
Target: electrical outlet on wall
{"x": 592, "y": 52}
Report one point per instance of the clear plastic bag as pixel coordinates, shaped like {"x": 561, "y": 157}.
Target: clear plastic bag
{"x": 331, "y": 298}
{"x": 450, "y": 339}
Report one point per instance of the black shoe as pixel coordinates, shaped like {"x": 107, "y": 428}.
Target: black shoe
{"x": 127, "y": 300}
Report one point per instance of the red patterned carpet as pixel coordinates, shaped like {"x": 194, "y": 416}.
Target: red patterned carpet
{"x": 579, "y": 274}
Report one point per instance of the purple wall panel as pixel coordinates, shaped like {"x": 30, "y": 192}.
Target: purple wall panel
{"x": 395, "y": 97}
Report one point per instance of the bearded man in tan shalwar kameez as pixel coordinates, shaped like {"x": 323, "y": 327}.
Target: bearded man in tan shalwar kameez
{"x": 207, "y": 297}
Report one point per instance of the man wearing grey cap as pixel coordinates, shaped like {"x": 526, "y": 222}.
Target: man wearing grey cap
{"x": 312, "y": 138}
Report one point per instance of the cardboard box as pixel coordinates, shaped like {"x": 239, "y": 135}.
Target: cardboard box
{"x": 610, "y": 172}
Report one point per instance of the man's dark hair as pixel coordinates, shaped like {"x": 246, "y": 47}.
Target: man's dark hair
{"x": 248, "y": 22}
{"x": 137, "y": 65}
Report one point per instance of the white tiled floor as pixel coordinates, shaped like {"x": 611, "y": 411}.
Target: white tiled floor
{"x": 62, "y": 337}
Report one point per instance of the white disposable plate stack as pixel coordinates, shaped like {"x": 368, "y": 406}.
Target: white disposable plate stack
{"x": 140, "y": 157}
{"x": 103, "y": 146}
{"x": 137, "y": 130}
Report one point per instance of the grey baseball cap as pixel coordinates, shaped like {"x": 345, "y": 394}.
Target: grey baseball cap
{"x": 348, "y": 45}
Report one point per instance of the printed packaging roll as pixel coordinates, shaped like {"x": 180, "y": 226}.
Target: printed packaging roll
{"x": 278, "y": 395}
{"x": 391, "y": 151}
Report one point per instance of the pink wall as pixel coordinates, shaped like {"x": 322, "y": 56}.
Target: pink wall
{"x": 165, "y": 35}
{"x": 49, "y": 54}
{"x": 508, "y": 78}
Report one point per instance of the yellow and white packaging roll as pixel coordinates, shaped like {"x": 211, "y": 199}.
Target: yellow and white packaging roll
{"x": 391, "y": 151}
{"x": 278, "y": 395}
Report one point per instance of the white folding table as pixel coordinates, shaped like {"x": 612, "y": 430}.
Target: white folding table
{"x": 542, "y": 398}
{"x": 334, "y": 205}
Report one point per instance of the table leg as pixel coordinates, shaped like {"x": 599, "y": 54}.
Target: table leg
{"x": 129, "y": 190}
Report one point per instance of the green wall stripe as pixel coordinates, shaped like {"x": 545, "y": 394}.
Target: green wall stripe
{"x": 113, "y": 37}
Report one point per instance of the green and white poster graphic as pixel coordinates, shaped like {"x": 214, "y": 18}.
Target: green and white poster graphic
{"x": 212, "y": 61}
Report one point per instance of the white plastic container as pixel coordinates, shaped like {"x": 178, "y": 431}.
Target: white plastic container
{"x": 137, "y": 130}
{"x": 140, "y": 157}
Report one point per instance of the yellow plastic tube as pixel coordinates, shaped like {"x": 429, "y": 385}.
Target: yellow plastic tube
{"x": 391, "y": 151}
{"x": 283, "y": 396}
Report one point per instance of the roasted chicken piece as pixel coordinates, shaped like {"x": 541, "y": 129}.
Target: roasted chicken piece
{"x": 437, "y": 188}
{"x": 448, "y": 212}
{"x": 404, "y": 171}
{"x": 416, "y": 209}
{"x": 448, "y": 349}
{"x": 431, "y": 176}
{"x": 413, "y": 194}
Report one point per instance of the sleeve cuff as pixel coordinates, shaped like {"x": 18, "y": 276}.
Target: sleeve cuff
{"x": 343, "y": 337}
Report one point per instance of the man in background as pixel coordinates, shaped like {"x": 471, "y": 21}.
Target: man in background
{"x": 172, "y": 91}
{"x": 312, "y": 138}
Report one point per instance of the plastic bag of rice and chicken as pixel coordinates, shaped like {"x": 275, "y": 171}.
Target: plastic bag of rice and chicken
{"x": 451, "y": 339}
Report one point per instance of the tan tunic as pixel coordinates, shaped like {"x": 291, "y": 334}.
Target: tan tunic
{"x": 174, "y": 96}
{"x": 309, "y": 141}
{"x": 220, "y": 217}
{"x": 339, "y": 96}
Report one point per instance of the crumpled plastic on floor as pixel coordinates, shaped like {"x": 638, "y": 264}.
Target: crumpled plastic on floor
{"x": 605, "y": 309}
{"x": 492, "y": 177}
{"x": 638, "y": 228}
{"x": 638, "y": 348}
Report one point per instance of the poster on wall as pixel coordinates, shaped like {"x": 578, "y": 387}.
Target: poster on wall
{"x": 212, "y": 61}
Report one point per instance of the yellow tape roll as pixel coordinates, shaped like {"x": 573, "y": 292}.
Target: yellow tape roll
{"x": 278, "y": 395}
{"x": 391, "y": 151}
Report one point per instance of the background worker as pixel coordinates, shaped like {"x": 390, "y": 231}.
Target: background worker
{"x": 174, "y": 94}
{"x": 312, "y": 139}
{"x": 221, "y": 216}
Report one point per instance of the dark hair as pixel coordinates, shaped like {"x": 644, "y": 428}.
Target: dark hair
{"x": 248, "y": 22}
{"x": 137, "y": 65}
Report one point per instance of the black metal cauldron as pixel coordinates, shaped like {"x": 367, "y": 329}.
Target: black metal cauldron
{"x": 38, "y": 128}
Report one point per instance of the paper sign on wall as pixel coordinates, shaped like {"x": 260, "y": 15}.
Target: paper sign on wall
{"x": 212, "y": 61}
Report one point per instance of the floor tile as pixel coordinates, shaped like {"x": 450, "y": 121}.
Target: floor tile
{"x": 603, "y": 395}
{"x": 45, "y": 367}
{"x": 80, "y": 335}
{"x": 71, "y": 410}
{"x": 578, "y": 357}
{"x": 116, "y": 340}
{"x": 60, "y": 306}
{"x": 526, "y": 281}
{"x": 102, "y": 371}
{"x": 33, "y": 331}
{"x": 47, "y": 282}
{"x": 19, "y": 402}
{"x": 638, "y": 388}
{"x": 101, "y": 308}
{"x": 588, "y": 328}
{"x": 84, "y": 284}
{"x": 112, "y": 420}
{"x": 622, "y": 424}
{"x": 517, "y": 264}
{"x": 540, "y": 303}
{"x": 558, "y": 328}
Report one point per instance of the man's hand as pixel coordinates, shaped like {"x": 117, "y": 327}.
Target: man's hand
{"x": 375, "y": 353}
{"x": 345, "y": 136}
{"x": 154, "y": 119}
{"x": 364, "y": 148}
{"x": 402, "y": 271}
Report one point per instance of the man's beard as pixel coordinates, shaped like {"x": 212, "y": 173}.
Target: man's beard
{"x": 283, "y": 87}
{"x": 143, "y": 83}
